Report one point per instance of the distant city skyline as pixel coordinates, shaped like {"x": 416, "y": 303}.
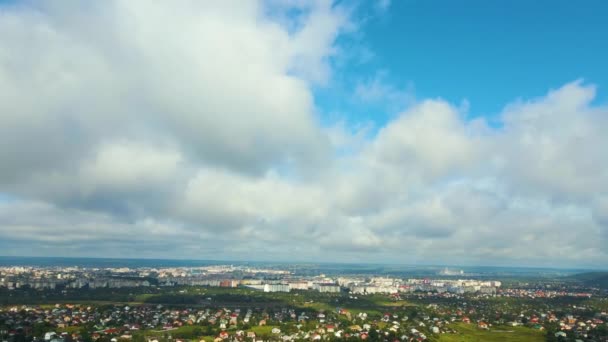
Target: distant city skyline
{"x": 375, "y": 269}
{"x": 391, "y": 132}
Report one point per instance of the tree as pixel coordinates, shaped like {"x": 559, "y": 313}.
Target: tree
{"x": 373, "y": 335}
{"x": 39, "y": 329}
{"x": 86, "y": 336}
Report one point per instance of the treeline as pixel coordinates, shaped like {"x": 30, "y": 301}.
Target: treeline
{"x": 27, "y": 295}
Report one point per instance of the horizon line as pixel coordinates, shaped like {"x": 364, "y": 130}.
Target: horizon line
{"x": 574, "y": 268}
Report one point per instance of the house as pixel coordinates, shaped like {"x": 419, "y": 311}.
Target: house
{"x": 482, "y": 325}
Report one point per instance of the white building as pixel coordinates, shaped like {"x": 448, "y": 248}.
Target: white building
{"x": 276, "y": 288}
{"x": 332, "y": 288}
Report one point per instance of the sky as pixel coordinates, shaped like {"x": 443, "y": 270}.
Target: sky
{"x": 408, "y": 132}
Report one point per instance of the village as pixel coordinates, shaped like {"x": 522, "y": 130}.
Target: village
{"x": 410, "y": 317}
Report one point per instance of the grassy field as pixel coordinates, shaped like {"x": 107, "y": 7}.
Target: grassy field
{"x": 50, "y": 306}
{"x": 398, "y": 303}
{"x": 186, "y": 329}
{"x": 262, "y": 330}
{"x": 470, "y": 333}
{"x": 70, "y": 329}
{"x": 143, "y": 297}
{"x": 317, "y": 306}
{"x": 356, "y": 311}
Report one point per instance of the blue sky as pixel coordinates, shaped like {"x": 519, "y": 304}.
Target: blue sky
{"x": 412, "y": 132}
{"x": 487, "y": 52}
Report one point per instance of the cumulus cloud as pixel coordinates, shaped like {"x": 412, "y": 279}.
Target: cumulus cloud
{"x": 72, "y": 75}
{"x": 429, "y": 136}
{"x": 190, "y": 130}
{"x": 552, "y": 145}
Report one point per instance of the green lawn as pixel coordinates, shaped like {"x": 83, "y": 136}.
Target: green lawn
{"x": 372, "y": 312}
{"x": 143, "y": 297}
{"x": 70, "y": 329}
{"x": 186, "y": 329}
{"x": 470, "y": 333}
{"x": 317, "y": 306}
{"x": 263, "y": 329}
{"x": 397, "y": 303}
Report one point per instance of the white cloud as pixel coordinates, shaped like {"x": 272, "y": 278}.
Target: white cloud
{"x": 600, "y": 213}
{"x": 379, "y": 90}
{"x": 214, "y": 76}
{"x": 222, "y": 200}
{"x": 126, "y": 165}
{"x": 552, "y": 145}
{"x": 428, "y": 139}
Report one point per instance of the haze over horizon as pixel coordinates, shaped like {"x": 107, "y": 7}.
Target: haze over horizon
{"x": 381, "y": 267}
{"x": 403, "y": 132}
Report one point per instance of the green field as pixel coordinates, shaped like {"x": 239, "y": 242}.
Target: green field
{"x": 317, "y": 306}
{"x": 263, "y": 330}
{"x": 470, "y": 333}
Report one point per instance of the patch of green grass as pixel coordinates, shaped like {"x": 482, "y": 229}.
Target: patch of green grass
{"x": 398, "y": 303}
{"x": 317, "y": 306}
{"x": 470, "y": 333}
{"x": 263, "y": 329}
{"x": 186, "y": 329}
{"x": 45, "y": 306}
{"x": 371, "y": 312}
{"x": 70, "y": 329}
{"x": 187, "y": 332}
{"x": 142, "y": 297}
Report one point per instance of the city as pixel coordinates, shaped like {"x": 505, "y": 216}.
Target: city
{"x": 256, "y": 303}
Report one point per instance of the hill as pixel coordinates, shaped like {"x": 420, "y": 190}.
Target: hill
{"x": 596, "y": 279}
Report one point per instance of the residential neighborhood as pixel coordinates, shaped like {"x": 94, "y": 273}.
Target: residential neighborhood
{"x": 224, "y": 303}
